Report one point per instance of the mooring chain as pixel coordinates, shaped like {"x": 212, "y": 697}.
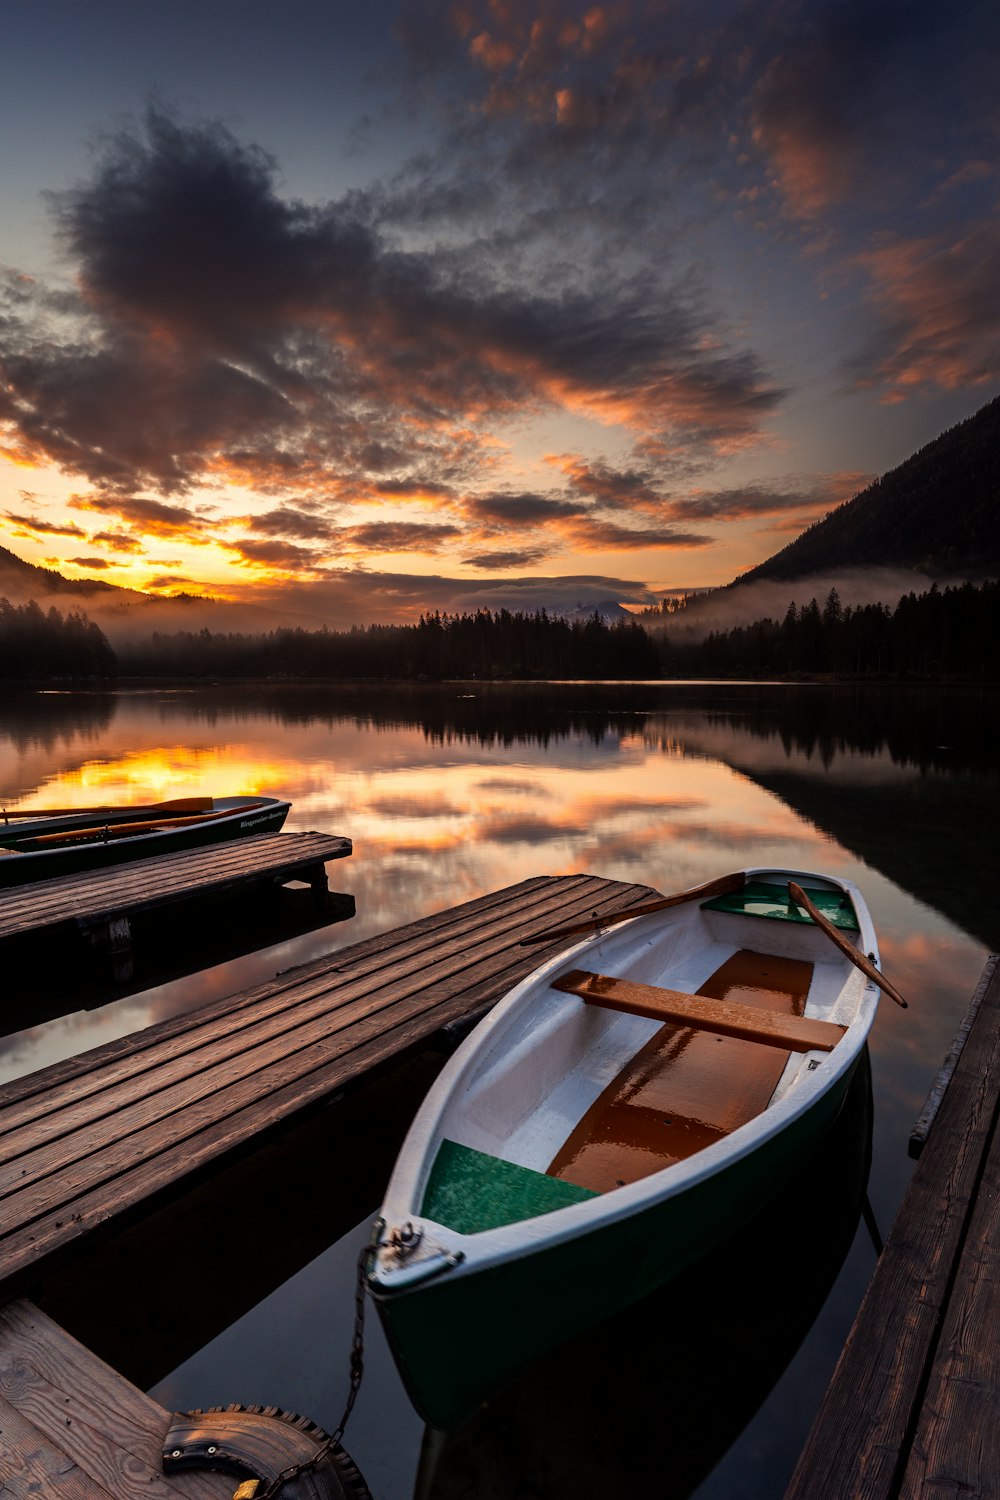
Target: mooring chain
{"x": 357, "y": 1368}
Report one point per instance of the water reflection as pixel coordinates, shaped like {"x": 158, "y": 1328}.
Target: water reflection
{"x": 447, "y": 796}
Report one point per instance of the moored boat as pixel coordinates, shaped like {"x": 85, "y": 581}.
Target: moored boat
{"x": 627, "y": 1106}
{"x": 68, "y": 842}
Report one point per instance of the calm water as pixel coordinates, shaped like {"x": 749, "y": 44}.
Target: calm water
{"x": 242, "y": 1290}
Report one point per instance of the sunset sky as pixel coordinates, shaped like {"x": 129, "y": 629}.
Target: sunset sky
{"x": 364, "y": 309}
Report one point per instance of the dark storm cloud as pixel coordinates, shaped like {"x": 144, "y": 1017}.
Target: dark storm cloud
{"x": 224, "y": 329}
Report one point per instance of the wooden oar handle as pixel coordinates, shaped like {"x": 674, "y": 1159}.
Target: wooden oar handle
{"x": 724, "y": 886}
{"x": 858, "y": 959}
{"x": 152, "y": 825}
{"x": 176, "y": 805}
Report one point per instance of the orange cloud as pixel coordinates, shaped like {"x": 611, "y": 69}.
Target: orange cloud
{"x": 940, "y": 306}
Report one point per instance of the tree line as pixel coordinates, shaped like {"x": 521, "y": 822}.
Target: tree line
{"x": 45, "y": 644}
{"x": 952, "y": 633}
{"x": 949, "y": 633}
{"x": 491, "y": 645}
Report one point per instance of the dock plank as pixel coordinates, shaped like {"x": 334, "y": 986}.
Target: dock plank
{"x": 955, "y": 1452}
{"x": 164, "y": 878}
{"x": 907, "y": 1357}
{"x": 73, "y": 1428}
{"x": 105, "y": 1134}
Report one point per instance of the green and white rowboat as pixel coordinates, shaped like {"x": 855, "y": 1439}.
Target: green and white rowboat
{"x": 618, "y": 1114}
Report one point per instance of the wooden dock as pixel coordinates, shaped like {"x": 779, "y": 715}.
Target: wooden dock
{"x": 914, "y": 1405}
{"x": 73, "y": 1429}
{"x": 99, "y": 1137}
{"x": 101, "y": 902}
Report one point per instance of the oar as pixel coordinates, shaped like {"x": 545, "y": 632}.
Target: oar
{"x": 724, "y": 886}
{"x": 859, "y": 961}
{"x": 153, "y": 825}
{"x": 177, "y": 805}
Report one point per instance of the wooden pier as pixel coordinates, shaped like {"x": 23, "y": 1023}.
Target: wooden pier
{"x": 913, "y": 1409}
{"x": 99, "y": 1137}
{"x": 101, "y": 902}
{"x": 73, "y": 1429}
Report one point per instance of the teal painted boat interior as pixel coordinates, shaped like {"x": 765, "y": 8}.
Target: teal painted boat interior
{"x": 759, "y": 898}
{"x": 470, "y": 1191}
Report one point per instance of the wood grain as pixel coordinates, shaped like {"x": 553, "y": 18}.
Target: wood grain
{"x": 103, "y": 1135}
{"x": 859, "y": 1445}
{"x": 109, "y": 1434}
{"x": 165, "y": 878}
{"x": 726, "y": 1017}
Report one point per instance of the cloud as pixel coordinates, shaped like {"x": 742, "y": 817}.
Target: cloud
{"x": 274, "y": 553}
{"x": 119, "y": 541}
{"x": 400, "y": 536}
{"x": 151, "y": 517}
{"x": 596, "y": 533}
{"x": 223, "y": 330}
{"x": 817, "y": 495}
{"x": 514, "y": 558}
{"x": 167, "y": 581}
{"x": 939, "y": 305}
{"x": 288, "y": 521}
{"x": 515, "y": 512}
{"x": 44, "y": 528}
{"x": 89, "y": 562}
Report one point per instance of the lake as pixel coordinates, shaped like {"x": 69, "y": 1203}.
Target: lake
{"x": 242, "y": 1290}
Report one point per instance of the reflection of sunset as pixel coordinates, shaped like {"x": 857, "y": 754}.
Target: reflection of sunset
{"x": 154, "y": 774}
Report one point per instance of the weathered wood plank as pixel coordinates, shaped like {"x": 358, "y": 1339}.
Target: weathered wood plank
{"x": 925, "y": 1120}
{"x": 32, "y": 1465}
{"x": 238, "y": 1072}
{"x": 112, "y": 1432}
{"x": 42, "y": 1086}
{"x": 151, "y": 1116}
{"x": 955, "y": 1454}
{"x": 206, "y": 1038}
{"x": 164, "y": 878}
{"x": 859, "y": 1442}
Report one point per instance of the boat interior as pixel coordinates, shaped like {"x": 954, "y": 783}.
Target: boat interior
{"x": 580, "y": 1100}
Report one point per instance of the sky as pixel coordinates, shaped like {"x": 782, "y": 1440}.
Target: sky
{"x": 367, "y": 310}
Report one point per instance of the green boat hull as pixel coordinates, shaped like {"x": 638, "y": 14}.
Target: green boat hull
{"x": 458, "y": 1338}
{"x": 22, "y": 869}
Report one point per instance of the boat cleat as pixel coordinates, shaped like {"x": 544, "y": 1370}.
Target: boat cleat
{"x": 405, "y": 1255}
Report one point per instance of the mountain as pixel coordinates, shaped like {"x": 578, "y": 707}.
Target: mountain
{"x": 937, "y": 514}
{"x": 21, "y": 581}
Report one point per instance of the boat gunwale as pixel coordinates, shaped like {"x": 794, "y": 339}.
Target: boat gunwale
{"x": 211, "y": 818}
{"x": 491, "y": 1247}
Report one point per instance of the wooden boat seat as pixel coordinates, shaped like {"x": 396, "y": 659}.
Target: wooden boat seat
{"x": 725, "y": 1017}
